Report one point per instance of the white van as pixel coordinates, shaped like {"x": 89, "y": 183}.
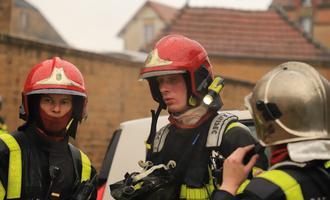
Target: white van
{"x": 127, "y": 147}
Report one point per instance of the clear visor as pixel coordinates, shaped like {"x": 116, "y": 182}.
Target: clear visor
{"x": 57, "y": 91}
{"x": 160, "y": 73}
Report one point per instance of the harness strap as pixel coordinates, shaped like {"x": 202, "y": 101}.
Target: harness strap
{"x": 153, "y": 130}
{"x": 160, "y": 137}
{"x": 14, "y": 185}
{"x": 218, "y": 128}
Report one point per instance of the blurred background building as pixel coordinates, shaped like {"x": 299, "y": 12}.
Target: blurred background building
{"x": 243, "y": 46}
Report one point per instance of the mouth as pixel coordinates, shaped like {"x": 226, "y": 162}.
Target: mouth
{"x": 169, "y": 100}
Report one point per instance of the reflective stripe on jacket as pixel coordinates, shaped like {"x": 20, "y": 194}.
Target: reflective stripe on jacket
{"x": 14, "y": 185}
{"x": 205, "y": 192}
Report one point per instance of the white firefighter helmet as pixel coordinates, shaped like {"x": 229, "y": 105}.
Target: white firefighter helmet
{"x": 291, "y": 103}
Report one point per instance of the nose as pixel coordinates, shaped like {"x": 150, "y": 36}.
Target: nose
{"x": 56, "y": 107}
{"x": 163, "y": 87}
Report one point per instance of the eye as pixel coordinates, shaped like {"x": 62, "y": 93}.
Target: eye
{"x": 47, "y": 99}
{"x": 160, "y": 80}
{"x": 174, "y": 79}
{"x": 65, "y": 102}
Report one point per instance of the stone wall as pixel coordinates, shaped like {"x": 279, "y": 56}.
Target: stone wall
{"x": 114, "y": 94}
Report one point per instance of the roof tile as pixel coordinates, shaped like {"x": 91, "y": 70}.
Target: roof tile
{"x": 239, "y": 33}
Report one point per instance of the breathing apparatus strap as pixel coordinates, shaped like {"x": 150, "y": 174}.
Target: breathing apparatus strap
{"x": 153, "y": 130}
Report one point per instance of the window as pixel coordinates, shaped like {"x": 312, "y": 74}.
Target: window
{"x": 149, "y": 32}
{"x": 306, "y": 24}
{"x": 306, "y": 3}
{"x": 24, "y": 21}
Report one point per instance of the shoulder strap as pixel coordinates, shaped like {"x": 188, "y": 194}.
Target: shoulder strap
{"x": 218, "y": 128}
{"x": 81, "y": 163}
{"x": 14, "y": 185}
{"x": 160, "y": 137}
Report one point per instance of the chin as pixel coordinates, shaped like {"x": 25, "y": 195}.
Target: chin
{"x": 175, "y": 110}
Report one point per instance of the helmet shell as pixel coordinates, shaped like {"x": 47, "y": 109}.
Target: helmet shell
{"x": 291, "y": 103}
{"x": 176, "y": 54}
{"x": 55, "y": 76}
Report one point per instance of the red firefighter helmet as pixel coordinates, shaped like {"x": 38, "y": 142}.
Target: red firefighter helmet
{"x": 54, "y": 76}
{"x": 175, "y": 54}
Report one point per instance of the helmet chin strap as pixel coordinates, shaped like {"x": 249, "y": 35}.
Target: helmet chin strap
{"x": 68, "y": 125}
{"x": 153, "y": 128}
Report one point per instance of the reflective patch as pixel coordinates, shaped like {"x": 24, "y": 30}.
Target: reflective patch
{"x": 86, "y": 167}
{"x": 2, "y": 192}
{"x": 14, "y": 185}
{"x": 288, "y": 184}
{"x": 218, "y": 128}
{"x": 160, "y": 138}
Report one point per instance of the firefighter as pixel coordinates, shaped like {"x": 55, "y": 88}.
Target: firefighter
{"x": 180, "y": 74}
{"x": 291, "y": 109}
{"x": 37, "y": 161}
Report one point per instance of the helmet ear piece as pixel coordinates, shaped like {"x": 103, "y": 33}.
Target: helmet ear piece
{"x": 202, "y": 79}
{"x": 78, "y": 103}
{"x": 22, "y": 113}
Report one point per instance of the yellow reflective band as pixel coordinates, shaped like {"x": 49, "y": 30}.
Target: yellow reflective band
{"x": 138, "y": 186}
{"x": 198, "y": 193}
{"x": 15, "y": 167}
{"x": 2, "y": 192}
{"x": 243, "y": 186}
{"x": 288, "y": 184}
{"x": 327, "y": 164}
{"x": 86, "y": 167}
{"x": 2, "y": 132}
{"x": 232, "y": 125}
{"x": 148, "y": 146}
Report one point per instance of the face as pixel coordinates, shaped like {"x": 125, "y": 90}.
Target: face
{"x": 56, "y": 105}
{"x": 174, "y": 92}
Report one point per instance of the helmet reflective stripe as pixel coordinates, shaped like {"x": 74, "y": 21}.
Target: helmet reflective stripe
{"x": 58, "y": 77}
{"x": 86, "y": 167}
{"x": 14, "y": 185}
{"x": 154, "y": 60}
{"x": 288, "y": 184}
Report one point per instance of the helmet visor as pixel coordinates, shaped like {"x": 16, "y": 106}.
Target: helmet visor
{"x": 160, "y": 73}
{"x": 57, "y": 91}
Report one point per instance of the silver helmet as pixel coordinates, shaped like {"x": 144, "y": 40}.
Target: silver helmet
{"x": 291, "y": 103}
